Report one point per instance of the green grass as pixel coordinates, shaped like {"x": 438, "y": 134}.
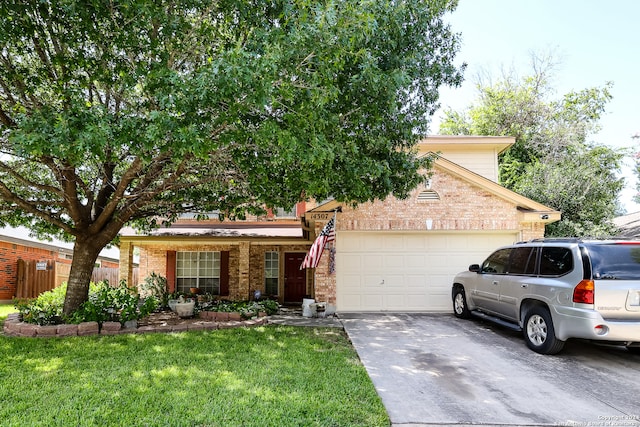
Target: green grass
{"x": 4, "y": 310}
{"x": 263, "y": 376}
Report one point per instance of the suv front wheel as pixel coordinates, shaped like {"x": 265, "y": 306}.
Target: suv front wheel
{"x": 539, "y": 333}
{"x": 460, "y": 308}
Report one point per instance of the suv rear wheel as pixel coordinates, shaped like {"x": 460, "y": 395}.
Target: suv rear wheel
{"x": 460, "y": 308}
{"x": 539, "y": 333}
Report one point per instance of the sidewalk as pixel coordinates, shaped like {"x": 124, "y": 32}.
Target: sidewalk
{"x": 294, "y": 317}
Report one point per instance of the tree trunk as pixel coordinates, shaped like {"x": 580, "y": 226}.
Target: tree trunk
{"x": 85, "y": 253}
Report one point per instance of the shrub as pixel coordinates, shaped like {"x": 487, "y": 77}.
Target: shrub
{"x": 46, "y": 309}
{"x": 155, "y": 286}
{"x": 114, "y": 304}
{"x": 105, "y": 303}
{"x": 247, "y": 309}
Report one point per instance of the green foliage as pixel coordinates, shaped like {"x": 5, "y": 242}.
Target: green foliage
{"x": 552, "y": 160}
{"x": 247, "y": 309}
{"x": 105, "y": 303}
{"x": 155, "y": 286}
{"x": 115, "y": 113}
{"x": 114, "y": 304}
{"x": 5, "y": 310}
{"x": 46, "y": 309}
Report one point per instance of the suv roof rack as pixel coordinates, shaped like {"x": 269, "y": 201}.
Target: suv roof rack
{"x": 558, "y": 239}
{"x": 574, "y": 239}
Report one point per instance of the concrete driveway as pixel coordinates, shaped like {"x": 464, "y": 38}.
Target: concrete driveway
{"x": 437, "y": 370}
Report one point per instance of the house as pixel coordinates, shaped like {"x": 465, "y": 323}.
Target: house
{"x": 51, "y": 259}
{"x": 628, "y": 225}
{"x": 390, "y": 255}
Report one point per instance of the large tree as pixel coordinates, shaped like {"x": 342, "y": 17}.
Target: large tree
{"x": 553, "y": 160}
{"x": 128, "y": 110}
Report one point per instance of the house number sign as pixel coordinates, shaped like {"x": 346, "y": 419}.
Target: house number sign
{"x": 321, "y": 215}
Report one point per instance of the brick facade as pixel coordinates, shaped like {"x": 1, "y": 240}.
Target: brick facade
{"x": 461, "y": 206}
{"x": 246, "y": 262}
{"x": 10, "y": 253}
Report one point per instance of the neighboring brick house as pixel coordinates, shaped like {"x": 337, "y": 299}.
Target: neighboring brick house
{"x": 16, "y": 244}
{"x": 391, "y": 255}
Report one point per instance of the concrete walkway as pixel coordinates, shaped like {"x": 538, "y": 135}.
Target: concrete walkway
{"x": 293, "y": 317}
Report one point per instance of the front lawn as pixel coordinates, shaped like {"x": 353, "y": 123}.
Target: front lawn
{"x": 4, "y": 310}
{"x": 263, "y": 376}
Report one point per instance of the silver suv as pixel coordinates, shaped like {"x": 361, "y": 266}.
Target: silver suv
{"x": 556, "y": 289}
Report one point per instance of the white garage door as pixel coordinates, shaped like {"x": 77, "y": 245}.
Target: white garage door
{"x": 394, "y": 271}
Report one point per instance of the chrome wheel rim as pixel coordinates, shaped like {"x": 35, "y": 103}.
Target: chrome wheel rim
{"x": 537, "y": 329}
{"x": 459, "y": 303}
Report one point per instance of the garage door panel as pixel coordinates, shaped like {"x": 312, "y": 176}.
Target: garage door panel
{"x": 393, "y": 261}
{"x": 391, "y": 271}
{"x": 352, "y": 282}
{"x": 371, "y": 281}
{"x": 415, "y": 242}
{"x": 438, "y": 242}
{"x": 415, "y": 281}
{"x": 394, "y": 281}
{"x": 415, "y": 260}
{"x": 352, "y": 300}
{"x": 349, "y": 262}
{"x": 371, "y": 262}
{"x": 371, "y": 300}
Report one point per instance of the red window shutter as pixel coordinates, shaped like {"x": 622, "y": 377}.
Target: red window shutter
{"x": 171, "y": 271}
{"x": 224, "y": 273}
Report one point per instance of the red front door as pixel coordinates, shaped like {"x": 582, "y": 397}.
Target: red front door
{"x": 295, "y": 280}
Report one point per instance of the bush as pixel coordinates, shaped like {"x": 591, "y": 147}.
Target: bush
{"x": 247, "y": 309}
{"x": 46, "y": 309}
{"x": 114, "y": 304}
{"x": 105, "y": 304}
{"x": 155, "y": 286}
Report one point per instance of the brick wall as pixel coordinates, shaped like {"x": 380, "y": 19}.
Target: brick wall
{"x": 256, "y": 266}
{"x": 10, "y": 253}
{"x": 462, "y": 206}
{"x": 153, "y": 258}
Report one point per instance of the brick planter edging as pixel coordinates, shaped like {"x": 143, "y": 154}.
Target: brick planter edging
{"x": 15, "y": 328}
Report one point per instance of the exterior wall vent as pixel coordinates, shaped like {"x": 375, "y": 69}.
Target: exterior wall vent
{"x": 428, "y": 195}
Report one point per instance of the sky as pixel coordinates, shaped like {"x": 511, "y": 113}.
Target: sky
{"x": 596, "y": 42}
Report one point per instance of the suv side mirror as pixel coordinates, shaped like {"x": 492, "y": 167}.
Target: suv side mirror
{"x": 474, "y": 268}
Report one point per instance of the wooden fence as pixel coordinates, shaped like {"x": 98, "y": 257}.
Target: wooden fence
{"x": 34, "y": 278}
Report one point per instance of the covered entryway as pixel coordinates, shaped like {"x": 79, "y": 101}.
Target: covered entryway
{"x": 406, "y": 271}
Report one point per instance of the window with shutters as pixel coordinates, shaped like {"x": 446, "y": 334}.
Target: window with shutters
{"x": 198, "y": 270}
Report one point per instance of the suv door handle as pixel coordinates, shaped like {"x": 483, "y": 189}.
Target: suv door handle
{"x": 524, "y": 285}
{"x": 495, "y": 282}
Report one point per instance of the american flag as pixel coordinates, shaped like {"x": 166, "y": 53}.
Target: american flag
{"x": 328, "y": 234}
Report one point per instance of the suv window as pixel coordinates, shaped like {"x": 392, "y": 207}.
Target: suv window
{"x": 615, "y": 261}
{"x": 497, "y": 262}
{"x": 523, "y": 261}
{"x": 555, "y": 261}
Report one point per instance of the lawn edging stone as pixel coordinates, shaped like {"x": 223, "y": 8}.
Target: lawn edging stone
{"x": 13, "y": 327}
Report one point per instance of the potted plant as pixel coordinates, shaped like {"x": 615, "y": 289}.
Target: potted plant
{"x": 184, "y": 306}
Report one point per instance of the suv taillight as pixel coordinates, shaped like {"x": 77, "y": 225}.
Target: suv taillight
{"x": 583, "y": 293}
